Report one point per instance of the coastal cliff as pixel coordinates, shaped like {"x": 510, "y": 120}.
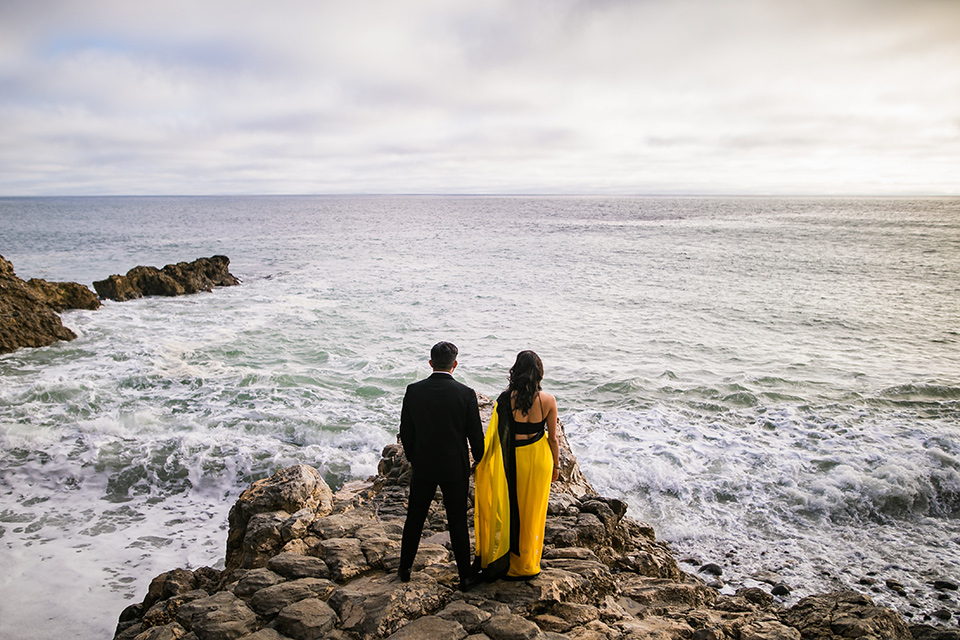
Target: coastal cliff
{"x": 305, "y": 563}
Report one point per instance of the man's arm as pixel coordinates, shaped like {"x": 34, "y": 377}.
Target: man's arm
{"x": 474, "y": 428}
{"x": 407, "y": 433}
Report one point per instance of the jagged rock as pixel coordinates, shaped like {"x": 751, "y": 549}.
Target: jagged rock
{"x": 376, "y": 606}
{"x": 288, "y": 491}
{"x": 172, "y": 631}
{"x": 510, "y": 627}
{"x": 607, "y": 578}
{"x": 926, "y": 632}
{"x": 269, "y": 601}
{"x": 308, "y": 619}
{"x": 255, "y": 580}
{"x": 844, "y": 615}
{"x": 430, "y": 628}
{"x": 26, "y": 319}
{"x": 222, "y": 616}
{"x": 61, "y": 296}
{"x": 178, "y": 279}
{"x": 469, "y": 617}
{"x": 294, "y": 565}
{"x": 344, "y": 557}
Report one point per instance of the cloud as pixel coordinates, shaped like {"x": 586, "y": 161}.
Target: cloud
{"x": 728, "y": 96}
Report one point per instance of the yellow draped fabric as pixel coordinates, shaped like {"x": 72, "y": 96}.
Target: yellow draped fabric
{"x": 492, "y": 521}
{"x": 491, "y": 511}
{"x": 534, "y": 470}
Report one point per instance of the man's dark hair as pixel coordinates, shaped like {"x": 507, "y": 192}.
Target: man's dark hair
{"x": 443, "y": 355}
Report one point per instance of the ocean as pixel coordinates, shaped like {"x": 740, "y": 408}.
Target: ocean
{"x": 772, "y": 383}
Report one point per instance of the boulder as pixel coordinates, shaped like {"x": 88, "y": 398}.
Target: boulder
{"x": 845, "y": 614}
{"x": 61, "y": 296}
{"x": 178, "y": 279}
{"x": 26, "y": 318}
{"x": 286, "y": 492}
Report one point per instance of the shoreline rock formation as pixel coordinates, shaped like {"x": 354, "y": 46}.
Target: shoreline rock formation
{"x": 182, "y": 278}
{"x": 304, "y": 563}
{"x": 29, "y": 309}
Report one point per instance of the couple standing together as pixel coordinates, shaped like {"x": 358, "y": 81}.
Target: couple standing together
{"x": 516, "y": 462}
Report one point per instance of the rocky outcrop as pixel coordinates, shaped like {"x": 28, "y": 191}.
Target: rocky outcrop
{"x": 178, "y": 279}
{"x": 28, "y": 310}
{"x": 302, "y": 564}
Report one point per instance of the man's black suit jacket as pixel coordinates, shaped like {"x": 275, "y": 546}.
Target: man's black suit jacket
{"x": 438, "y": 418}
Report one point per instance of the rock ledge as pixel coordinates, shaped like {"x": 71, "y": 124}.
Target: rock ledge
{"x": 305, "y": 564}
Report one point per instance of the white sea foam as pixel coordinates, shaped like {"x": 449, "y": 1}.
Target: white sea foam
{"x": 773, "y": 384}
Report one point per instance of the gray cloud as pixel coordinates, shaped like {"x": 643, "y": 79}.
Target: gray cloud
{"x": 720, "y": 96}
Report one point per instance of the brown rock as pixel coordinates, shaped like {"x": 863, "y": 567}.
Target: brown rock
{"x": 376, "y": 606}
{"x": 844, "y": 615}
{"x": 172, "y": 631}
{"x": 469, "y": 617}
{"x": 222, "y": 616}
{"x": 289, "y": 490}
{"x": 430, "y": 628}
{"x": 26, "y": 320}
{"x": 510, "y": 627}
{"x": 182, "y": 278}
{"x": 344, "y": 557}
{"x": 294, "y": 565}
{"x": 270, "y": 601}
{"x": 307, "y": 619}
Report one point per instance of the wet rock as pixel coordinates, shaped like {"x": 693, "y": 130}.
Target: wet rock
{"x": 308, "y": 619}
{"x": 711, "y": 569}
{"x": 844, "y": 615}
{"x": 203, "y": 274}
{"x": 430, "y": 628}
{"x": 945, "y": 585}
{"x": 943, "y": 614}
{"x": 781, "y": 590}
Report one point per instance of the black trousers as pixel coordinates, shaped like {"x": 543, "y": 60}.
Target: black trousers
{"x": 455, "y": 503}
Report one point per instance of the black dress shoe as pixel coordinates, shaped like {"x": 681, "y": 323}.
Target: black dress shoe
{"x": 404, "y": 575}
{"x": 466, "y": 584}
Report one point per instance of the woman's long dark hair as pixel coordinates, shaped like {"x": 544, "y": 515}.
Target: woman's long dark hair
{"x": 525, "y": 376}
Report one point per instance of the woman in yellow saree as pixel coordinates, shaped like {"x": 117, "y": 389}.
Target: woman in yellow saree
{"x": 512, "y": 485}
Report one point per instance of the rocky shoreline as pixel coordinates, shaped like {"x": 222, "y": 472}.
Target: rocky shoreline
{"x": 304, "y": 563}
{"x": 29, "y": 309}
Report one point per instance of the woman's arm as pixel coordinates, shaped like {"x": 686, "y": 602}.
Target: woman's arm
{"x": 550, "y": 404}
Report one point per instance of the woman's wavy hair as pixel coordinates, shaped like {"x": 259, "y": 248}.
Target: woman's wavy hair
{"x": 525, "y": 376}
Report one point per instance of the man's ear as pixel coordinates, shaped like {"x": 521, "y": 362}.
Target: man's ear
{"x": 455, "y": 363}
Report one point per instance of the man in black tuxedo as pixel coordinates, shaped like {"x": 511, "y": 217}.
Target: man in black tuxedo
{"x": 438, "y": 418}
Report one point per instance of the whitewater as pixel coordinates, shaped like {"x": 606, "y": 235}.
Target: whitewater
{"x": 772, "y": 383}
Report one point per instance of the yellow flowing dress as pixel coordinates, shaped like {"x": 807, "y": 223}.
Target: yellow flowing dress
{"x": 511, "y": 491}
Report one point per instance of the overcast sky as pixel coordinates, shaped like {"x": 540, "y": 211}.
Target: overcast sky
{"x": 449, "y": 96}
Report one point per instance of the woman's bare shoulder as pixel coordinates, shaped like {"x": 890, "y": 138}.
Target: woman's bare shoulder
{"x": 547, "y": 399}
